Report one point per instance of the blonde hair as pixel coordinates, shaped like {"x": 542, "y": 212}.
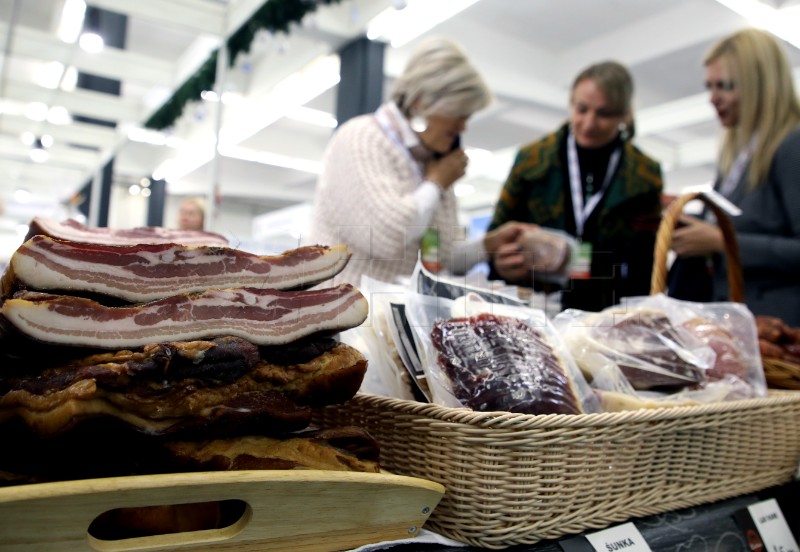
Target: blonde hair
{"x": 768, "y": 103}
{"x": 616, "y": 83}
{"x": 438, "y": 79}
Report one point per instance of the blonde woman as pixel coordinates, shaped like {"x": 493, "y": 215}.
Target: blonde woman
{"x": 752, "y": 90}
{"x": 386, "y": 187}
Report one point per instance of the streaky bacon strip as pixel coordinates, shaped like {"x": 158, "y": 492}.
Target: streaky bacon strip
{"x": 264, "y": 317}
{"x": 139, "y": 273}
{"x": 72, "y": 230}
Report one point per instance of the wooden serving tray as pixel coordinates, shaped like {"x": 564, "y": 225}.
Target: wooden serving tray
{"x": 297, "y": 510}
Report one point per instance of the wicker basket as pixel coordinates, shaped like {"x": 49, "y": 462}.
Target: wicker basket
{"x": 516, "y": 478}
{"x": 781, "y": 374}
{"x": 658, "y": 283}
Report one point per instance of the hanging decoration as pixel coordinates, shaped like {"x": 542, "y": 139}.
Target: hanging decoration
{"x": 275, "y": 16}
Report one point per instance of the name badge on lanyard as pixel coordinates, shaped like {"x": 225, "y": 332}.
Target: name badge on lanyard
{"x": 581, "y": 267}
{"x": 430, "y": 242}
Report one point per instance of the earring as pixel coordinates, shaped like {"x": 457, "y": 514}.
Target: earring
{"x": 623, "y": 132}
{"x": 418, "y": 123}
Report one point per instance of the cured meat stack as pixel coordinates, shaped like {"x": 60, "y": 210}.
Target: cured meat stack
{"x": 150, "y": 350}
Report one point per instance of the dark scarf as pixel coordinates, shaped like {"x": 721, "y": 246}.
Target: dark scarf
{"x": 593, "y": 164}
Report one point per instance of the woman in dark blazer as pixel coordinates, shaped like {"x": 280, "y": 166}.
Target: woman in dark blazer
{"x": 752, "y": 91}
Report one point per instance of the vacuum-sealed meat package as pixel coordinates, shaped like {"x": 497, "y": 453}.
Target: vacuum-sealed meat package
{"x": 657, "y": 350}
{"x": 491, "y": 357}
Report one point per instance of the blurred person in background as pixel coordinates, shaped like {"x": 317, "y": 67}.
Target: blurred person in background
{"x": 751, "y": 87}
{"x": 386, "y": 187}
{"x": 192, "y": 214}
{"x": 589, "y": 181}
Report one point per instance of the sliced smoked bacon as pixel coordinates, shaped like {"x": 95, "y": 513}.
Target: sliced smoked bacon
{"x": 140, "y": 273}
{"x": 264, "y": 317}
{"x": 72, "y": 230}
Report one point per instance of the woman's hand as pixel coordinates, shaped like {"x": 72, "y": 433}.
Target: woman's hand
{"x": 508, "y": 232}
{"x": 503, "y": 245}
{"x": 445, "y": 171}
{"x": 696, "y": 238}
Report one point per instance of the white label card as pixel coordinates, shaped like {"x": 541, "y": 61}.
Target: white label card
{"x": 622, "y": 537}
{"x": 715, "y": 197}
{"x": 772, "y": 526}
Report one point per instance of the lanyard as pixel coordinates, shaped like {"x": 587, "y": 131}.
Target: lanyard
{"x": 730, "y": 182}
{"x": 580, "y": 210}
{"x": 384, "y": 118}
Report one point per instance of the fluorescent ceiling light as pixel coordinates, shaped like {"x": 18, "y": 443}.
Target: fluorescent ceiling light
{"x": 312, "y": 116}
{"x": 274, "y": 159}
{"x": 22, "y": 195}
{"x": 147, "y": 136}
{"x": 38, "y": 154}
{"x": 780, "y": 22}
{"x": 250, "y": 117}
{"x": 71, "y": 24}
{"x": 49, "y": 74}
{"x": 11, "y": 107}
{"x": 58, "y": 115}
{"x": 36, "y": 111}
{"x": 295, "y": 90}
{"x": 70, "y": 79}
{"x": 172, "y": 170}
{"x": 228, "y": 97}
{"x": 91, "y": 42}
{"x": 400, "y": 26}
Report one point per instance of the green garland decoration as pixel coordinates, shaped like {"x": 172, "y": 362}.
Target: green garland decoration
{"x": 274, "y": 15}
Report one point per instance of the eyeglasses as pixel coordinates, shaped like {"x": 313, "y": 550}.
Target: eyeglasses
{"x": 721, "y": 85}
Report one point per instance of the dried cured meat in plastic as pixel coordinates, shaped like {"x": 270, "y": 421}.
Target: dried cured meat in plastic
{"x": 502, "y": 363}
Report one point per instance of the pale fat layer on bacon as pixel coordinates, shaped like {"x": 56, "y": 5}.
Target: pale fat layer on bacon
{"x": 264, "y": 317}
{"x": 73, "y": 230}
{"x": 140, "y": 273}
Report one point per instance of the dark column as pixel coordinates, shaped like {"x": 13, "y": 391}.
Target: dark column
{"x": 113, "y": 28}
{"x": 155, "y": 203}
{"x": 361, "y": 86}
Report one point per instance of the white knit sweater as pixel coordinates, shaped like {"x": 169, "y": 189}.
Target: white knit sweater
{"x": 365, "y": 199}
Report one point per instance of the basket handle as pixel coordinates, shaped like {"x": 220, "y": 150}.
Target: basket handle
{"x": 658, "y": 282}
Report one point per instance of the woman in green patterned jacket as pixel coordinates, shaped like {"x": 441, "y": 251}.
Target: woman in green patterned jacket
{"x": 587, "y": 179}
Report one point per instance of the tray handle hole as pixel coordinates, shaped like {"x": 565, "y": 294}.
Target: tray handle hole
{"x": 130, "y": 528}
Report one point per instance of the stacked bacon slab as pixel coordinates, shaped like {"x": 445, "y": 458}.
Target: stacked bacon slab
{"x": 120, "y": 348}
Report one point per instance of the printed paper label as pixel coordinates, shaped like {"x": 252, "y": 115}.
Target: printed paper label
{"x": 622, "y": 537}
{"x": 772, "y": 526}
{"x": 580, "y": 267}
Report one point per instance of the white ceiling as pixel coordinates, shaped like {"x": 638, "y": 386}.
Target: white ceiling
{"x": 528, "y": 50}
